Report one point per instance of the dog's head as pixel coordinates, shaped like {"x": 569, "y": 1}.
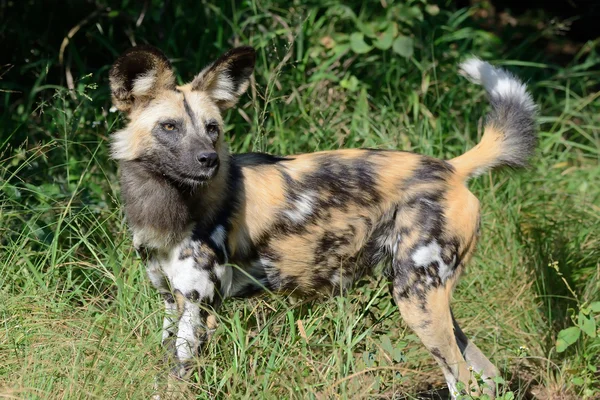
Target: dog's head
{"x": 176, "y": 131}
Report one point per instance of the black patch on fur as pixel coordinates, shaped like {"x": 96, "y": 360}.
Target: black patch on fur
{"x": 461, "y": 338}
{"x": 432, "y": 169}
{"x": 515, "y": 118}
{"x": 335, "y": 184}
{"x": 168, "y": 297}
{"x": 215, "y": 252}
{"x": 193, "y": 295}
{"x": 438, "y": 354}
{"x": 257, "y": 159}
{"x": 144, "y": 253}
{"x": 190, "y": 113}
{"x": 328, "y": 246}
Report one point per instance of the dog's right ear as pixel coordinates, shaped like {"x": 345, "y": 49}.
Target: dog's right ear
{"x": 139, "y": 75}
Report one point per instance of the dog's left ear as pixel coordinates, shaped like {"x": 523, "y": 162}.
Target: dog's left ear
{"x": 226, "y": 79}
{"x": 139, "y": 75}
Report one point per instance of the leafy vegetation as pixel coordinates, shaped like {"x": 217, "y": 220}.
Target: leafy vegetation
{"x": 78, "y": 317}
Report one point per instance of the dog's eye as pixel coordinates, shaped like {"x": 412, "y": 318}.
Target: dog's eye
{"x": 169, "y": 127}
{"x": 212, "y": 129}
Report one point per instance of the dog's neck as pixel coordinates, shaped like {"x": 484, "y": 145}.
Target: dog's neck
{"x": 162, "y": 213}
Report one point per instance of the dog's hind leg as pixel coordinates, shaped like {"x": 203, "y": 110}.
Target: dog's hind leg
{"x": 475, "y": 358}
{"x": 426, "y": 310}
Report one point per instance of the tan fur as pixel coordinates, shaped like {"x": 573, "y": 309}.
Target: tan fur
{"x": 480, "y": 157}
{"x": 136, "y": 138}
{"x": 265, "y": 192}
{"x": 433, "y": 331}
{"x": 462, "y": 211}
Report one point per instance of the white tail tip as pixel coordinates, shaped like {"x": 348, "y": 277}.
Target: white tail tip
{"x": 497, "y": 82}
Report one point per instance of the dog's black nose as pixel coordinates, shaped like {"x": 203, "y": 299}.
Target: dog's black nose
{"x": 208, "y": 159}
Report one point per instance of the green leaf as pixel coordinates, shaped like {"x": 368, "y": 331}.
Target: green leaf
{"x": 404, "y": 46}
{"x": 368, "y": 358}
{"x": 358, "y": 45}
{"x": 595, "y": 306}
{"x": 407, "y": 14}
{"x": 499, "y": 380}
{"x": 509, "y": 396}
{"x": 386, "y": 38}
{"x": 567, "y": 337}
{"x": 368, "y": 28}
{"x": 386, "y": 344}
{"x": 350, "y": 83}
{"x": 578, "y": 381}
{"x": 398, "y": 356}
{"x": 587, "y": 325}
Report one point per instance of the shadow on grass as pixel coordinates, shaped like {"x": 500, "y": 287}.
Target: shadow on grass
{"x": 562, "y": 255}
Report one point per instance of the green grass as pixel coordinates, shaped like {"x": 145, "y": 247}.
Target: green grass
{"x": 78, "y": 317}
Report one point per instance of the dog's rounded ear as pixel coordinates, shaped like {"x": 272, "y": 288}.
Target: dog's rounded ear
{"x": 226, "y": 79}
{"x": 139, "y": 74}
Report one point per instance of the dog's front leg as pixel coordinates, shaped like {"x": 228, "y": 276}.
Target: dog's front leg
{"x": 196, "y": 325}
{"x": 161, "y": 284}
{"x": 198, "y": 289}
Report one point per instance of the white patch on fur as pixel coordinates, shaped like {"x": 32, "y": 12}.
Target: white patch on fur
{"x": 265, "y": 262}
{"x": 121, "y": 145}
{"x": 185, "y": 277}
{"x": 223, "y": 89}
{"x": 335, "y": 279}
{"x": 158, "y": 280}
{"x": 302, "y": 207}
{"x": 432, "y": 253}
{"x": 425, "y": 255}
{"x": 496, "y": 81}
{"x": 188, "y": 278}
{"x": 144, "y": 84}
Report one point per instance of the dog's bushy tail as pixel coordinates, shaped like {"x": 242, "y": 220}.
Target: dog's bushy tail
{"x": 510, "y": 134}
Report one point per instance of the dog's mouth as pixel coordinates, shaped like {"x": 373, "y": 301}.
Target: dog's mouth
{"x": 202, "y": 176}
{"x": 196, "y": 178}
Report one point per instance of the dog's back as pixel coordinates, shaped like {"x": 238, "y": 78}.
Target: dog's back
{"x": 319, "y": 221}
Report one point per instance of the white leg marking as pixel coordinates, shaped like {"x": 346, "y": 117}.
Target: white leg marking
{"x": 187, "y": 341}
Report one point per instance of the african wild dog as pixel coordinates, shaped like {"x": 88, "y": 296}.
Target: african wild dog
{"x": 215, "y": 225}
